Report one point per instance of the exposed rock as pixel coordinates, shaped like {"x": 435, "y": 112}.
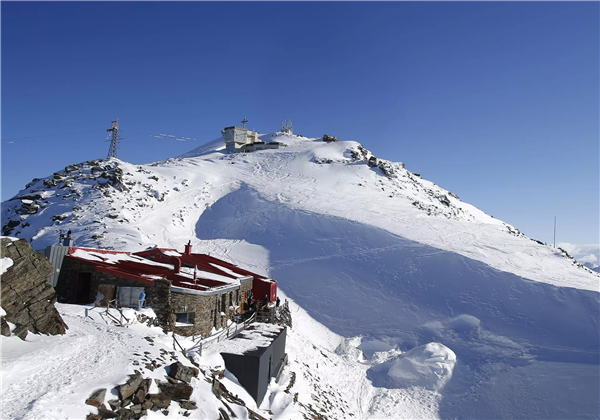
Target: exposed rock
{"x": 223, "y": 414}
{"x": 372, "y": 162}
{"x": 5, "y": 328}
{"x": 283, "y": 315}
{"x": 444, "y": 200}
{"x": 188, "y": 405}
{"x": 49, "y": 183}
{"x": 27, "y": 296}
{"x": 160, "y": 400}
{"x": 140, "y": 414}
{"x": 177, "y": 392}
{"x": 124, "y": 414}
{"x": 114, "y": 404}
{"x": 128, "y": 388}
{"x": 183, "y": 373}
{"x": 107, "y": 414}
{"x": 172, "y": 380}
{"x": 97, "y": 398}
{"x": 139, "y": 396}
{"x": 329, "y": 139}
{"x": 10, "y": 226}
{"x": 92, "y": 416}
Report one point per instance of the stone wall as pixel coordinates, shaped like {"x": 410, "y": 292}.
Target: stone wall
{"x": 159, "y": 298}
{"x": 204, "y": 311}
{"x": 27, "y": 296}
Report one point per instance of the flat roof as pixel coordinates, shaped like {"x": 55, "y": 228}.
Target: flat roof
{"x": 253, "y": 341}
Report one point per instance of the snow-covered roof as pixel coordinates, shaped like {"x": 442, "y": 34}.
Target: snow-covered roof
{"x": 257, "y": 337}
{"x": 144, "y": 270}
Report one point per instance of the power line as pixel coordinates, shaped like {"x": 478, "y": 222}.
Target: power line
{"x": 159, "y": 136}
{"x": 46, "y": 135}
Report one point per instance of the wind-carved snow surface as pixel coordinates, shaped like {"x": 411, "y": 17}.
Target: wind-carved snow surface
{"x": 429, "y": 366}
{"x": 363, "y": 281}
{"x": 383, "y": 259}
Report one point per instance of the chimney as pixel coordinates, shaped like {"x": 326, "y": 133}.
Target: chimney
{"x": 188, "y": 248}
{"x": 176, "y": 264}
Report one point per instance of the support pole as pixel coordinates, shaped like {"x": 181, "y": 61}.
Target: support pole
{"x": 554, "y": 231}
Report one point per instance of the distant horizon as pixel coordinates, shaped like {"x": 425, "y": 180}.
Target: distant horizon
{"x": 497, "y": 102}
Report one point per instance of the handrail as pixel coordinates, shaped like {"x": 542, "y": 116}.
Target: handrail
{"x": 198, "y": 346}
{"x": 113, "y": 304}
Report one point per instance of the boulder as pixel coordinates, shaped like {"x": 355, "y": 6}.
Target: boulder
{"x": 188, "y": 405}
{"x": 183, "y": 373}
{"x": 114, "y": 404}
{"x": 5, "y": 328}
{"x": 139, "y": 396}
{"x": 177, "y": 392}
{"x": 124, "y": 414}
{"x": 140, "y": 414}
{"x": 107, "y": 414}
{"x": 27, "y": 296}
{"x": 97, "y": 398}
{"x": 128, "y": 388}
{"x": 160, "y": 400}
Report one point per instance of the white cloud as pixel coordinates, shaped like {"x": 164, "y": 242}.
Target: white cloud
{"x": 588, "y": 253}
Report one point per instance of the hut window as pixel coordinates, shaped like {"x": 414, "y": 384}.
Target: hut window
{"x": 184, "y": 318}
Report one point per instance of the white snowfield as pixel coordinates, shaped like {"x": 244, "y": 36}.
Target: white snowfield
{"x": 452, "y": 308}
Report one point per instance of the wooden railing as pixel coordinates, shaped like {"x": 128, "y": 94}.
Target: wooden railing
{"x": 113, "y": 304}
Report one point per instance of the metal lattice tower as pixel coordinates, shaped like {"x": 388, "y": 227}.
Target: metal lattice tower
{"x": 114, "y": 141}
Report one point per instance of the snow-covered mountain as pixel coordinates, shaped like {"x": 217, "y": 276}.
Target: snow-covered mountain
{"x": 383, "y": 259}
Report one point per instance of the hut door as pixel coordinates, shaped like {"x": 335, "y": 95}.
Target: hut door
{"x": 84, "y": 281}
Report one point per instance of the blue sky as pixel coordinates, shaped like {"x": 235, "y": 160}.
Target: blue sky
{"x": 496, "y": 101}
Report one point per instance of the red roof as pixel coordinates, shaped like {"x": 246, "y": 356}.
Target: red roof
{"x": 202, "y": 261}
{"x": 138, "y": 269}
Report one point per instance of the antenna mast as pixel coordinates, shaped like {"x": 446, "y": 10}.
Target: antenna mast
{"x": 114, "y": 141}
{"x": 286, "y": 127}
{"x": 244, "y": 121}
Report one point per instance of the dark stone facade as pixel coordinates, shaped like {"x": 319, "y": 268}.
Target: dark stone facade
{"x": 203, "y": 312}
{"x": 206, "y": 310}
{"x": 27, "y": 296}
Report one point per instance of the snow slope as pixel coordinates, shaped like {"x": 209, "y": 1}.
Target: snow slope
{"x": 379, "y": 256}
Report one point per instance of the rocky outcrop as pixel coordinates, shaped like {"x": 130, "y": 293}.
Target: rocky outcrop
{"x": 134, "y": 399}
{"x": 329, "y": 139}
{"x": 27, "y": 296}
{"x": 283, "y": 315}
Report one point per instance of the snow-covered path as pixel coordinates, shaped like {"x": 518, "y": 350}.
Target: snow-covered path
{"x": 50, "y": 377}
